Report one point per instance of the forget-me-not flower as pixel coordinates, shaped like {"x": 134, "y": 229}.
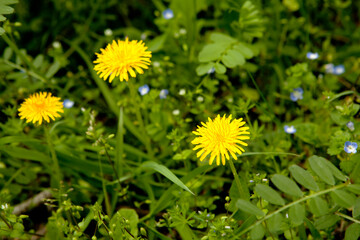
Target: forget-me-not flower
{"x": 297, "y": 94}
{"x": 339, "y": 69}
{"x": 143, "y": 90}
{"x": 329, "y": 68}
{"x": 350, "y": 147}
{"x": 163, "y": 93}
{"x": 289, "y": 129}
{"x": 350, "y": 125}
{"x": 182, "y": 92}
{"x": 168, "y": 14}
{"x": 68, "y": 103}
{"x": 312, "y": 56}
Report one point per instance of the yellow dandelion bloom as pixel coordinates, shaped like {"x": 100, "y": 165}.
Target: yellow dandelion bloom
{"x": 219, "y": 137}
{"x": 40, "y": 106}
{"x": 122, "y": 58}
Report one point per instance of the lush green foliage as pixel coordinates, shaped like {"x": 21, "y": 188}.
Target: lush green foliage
{"x": 125, "y": 159}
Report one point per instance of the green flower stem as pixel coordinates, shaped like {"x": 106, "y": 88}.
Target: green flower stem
{"x": 55, "y": 163}
{"x": 140, "y": 119}
{"x": 119, "y": 164}
{"x": 237, "y": 180}
{"x": 292, "y": 204}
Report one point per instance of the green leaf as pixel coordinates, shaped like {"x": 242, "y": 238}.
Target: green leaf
{"x": 219, "y": 68}
{"x": 269, "y": 194}
{"x": 275, "y": 223}
{"x": 257, "y": 232}
{"x": 54, "y": 68}
{"x": 22, "y": 153}
{"x": 38, "y": 61}
{"x": 335, "y": 171}
{"x": 286, "y": 185}
{"x": 17, "y": 139}
{"x": 297, "y": 214}
{"x": 8, "y": 53}
{"x": 157, "y": 43}
{"x": 318, "y": 165}
{"x": 244, "y": 50}
{"x": 352, "y": 232}
{"x": 355, "y": 188}
{"x": 5, "y": 9}
{"x": 248, "y": 207}
{"x": 204, "y": 68}
{"x": 356, "y": 210}
{"x": 343, "y": 198}
{"x": 303, "y": 177}
{"x": 233, "y": 58}
{"x": 131, "y": 216}
{"x": 314, "y": 232}
{"x": 212, "y": 52}
{"x": 222, "y": 38}
{"x": 318, "y": 206}
{"x": 2, "y": 31}
{"x": 327, "y": 221}
{"x": 166, "y": 173}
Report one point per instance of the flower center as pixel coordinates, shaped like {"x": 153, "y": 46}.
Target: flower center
{"x": 219, "y": 138}
{"x": 351, "y": 148}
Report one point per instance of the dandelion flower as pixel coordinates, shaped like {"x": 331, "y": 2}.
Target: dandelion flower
{"x": 40, "y": 106}
{"x": 121, "y": 58}
{"x": 219, "y": 137}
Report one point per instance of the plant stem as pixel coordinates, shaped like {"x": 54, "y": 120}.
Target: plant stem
{"x": 140, "y": 119}
{"x": 107, "y": 201}
{"x": 120, "y": 144}
{"x": 347, "y": 217}
{"x": 237, "y": 180}
{"x": 55, "y": 163}
{"x": 292, "y": 204}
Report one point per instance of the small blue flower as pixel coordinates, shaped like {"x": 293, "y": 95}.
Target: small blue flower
{"x": 339, "y": 69}
{"x": 68, "y": 103}
{"x": 211, "y": 70}
{"x": 312, "y": 56}
{"x": 143, "y": 90}
{"x": 163, "y": 93}
{"x": 297, "y": 94}
{"x": 329, "y": 68}
{"x": 350, "y": 125}
{"x": 168, "y": 14}
{"x": 350, "y": 147}
{"x": 289, "y": 129}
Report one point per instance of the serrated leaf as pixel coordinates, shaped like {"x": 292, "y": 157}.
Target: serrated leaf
{"x": 343, "y": 198}
{"x": 219, "y": 68}
{"x": 286, "y": 185}
{"x": 327, "y": 221}
{"x": 335, "y": 171}
{"x": 222, "y": 38}
{"x": 356, "y": 210}
{"x": 204, "y": 68}
{"x": 258, "y": 232}
{"x": 303, "y": 177}
{"x": 297, "y": 214}
{"x": 167, "y": 173}
{"x": 352, "y": 232}
{"x": 321, "y": 169}
{"x": 269, "y": 194}
{"x": 318, "y": 206}
{"x": 233, "y": 58}
{"x": 212, "y": 52}
{"x": 248, "y": 207}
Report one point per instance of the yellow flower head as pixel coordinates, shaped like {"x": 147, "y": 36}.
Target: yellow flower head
{"x": 40, "y": 106}
{"x": 122, "y": 58}
{"x": 219, "y": 137}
